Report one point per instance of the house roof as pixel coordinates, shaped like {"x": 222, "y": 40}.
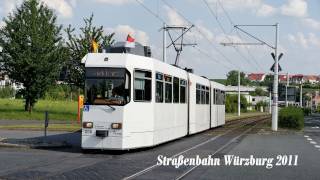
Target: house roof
{"x": 256, "y": 76}
{"x": 311, "y": 78}
{"x": 283, "y": 77}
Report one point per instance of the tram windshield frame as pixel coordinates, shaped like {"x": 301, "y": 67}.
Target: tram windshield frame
{"x": 107, "y": 86}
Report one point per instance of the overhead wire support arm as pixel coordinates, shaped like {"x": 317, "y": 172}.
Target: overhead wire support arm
{"x": 246, "y": 44}
{"x": 181, "y": 36}
{"x": 252, "y": 36}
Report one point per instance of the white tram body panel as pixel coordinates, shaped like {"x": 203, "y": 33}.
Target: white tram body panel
{"x": 217, "y": 104}
{"x": 199, "y": 110}
{"x": 159, "y": 117}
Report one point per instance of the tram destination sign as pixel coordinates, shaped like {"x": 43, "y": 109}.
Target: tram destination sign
{"x": 102, "y": 72}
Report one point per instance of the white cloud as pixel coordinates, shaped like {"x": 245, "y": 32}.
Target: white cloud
{"x": 116, "y": 2}
{"x": 295, "y": 8}
{"x": 237, "y": 4}
{"x": 10, "y": 5}
{"x": 121, "y": 32}
{"x": 173, "y": 18}
{"x": 62, "y": 7}
{"x": 312, "y": 23}
{"x": 314, "y": 40}
{"x": 2, "y": 24}
{"x": 306, "y": 41}
{"x": 266, "y": 10}
{"x": 256, "y": 6}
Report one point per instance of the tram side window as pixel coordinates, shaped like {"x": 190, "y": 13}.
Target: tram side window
{"x": 176, "y": 90}
{"x": 217, "y": 95}
{"x": 207, "y": 95}
{"x": 198, "y": 94}
{"x": 203, "y": 95}
{"x": 223, "y": 96}
{"x": 214, "y": 96}
{"x": 183, "y": 84}
{"x": 142, "y": 85}
{"x": 159, "y": 87}
{"x": 168, "y": 89}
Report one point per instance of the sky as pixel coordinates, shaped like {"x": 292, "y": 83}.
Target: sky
{"x": 213, "y": 20}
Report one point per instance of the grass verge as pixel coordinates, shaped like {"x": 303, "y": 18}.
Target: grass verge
{"x": 38, "y": 127}
{"x": 234, "y": 116}
{"x": 13, "y": 109}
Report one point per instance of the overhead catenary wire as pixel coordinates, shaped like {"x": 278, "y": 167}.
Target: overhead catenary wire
{"x": 233, "y": 24}
{"x": 256, "y": 65}
{"x": 198, "y": 49}
{"x": 201, "y": 33}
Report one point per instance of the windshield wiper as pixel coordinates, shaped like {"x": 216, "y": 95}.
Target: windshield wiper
{"x": 111, "y": 107}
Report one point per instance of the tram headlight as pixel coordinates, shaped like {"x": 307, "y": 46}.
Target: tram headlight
{"x": 116, "y": 125}
{"x": 87, "y": 124}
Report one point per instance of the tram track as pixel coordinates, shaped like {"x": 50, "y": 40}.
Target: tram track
{"x": 220, "y": 141}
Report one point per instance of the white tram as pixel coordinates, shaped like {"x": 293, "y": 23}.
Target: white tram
{"x": 134, "y": 101}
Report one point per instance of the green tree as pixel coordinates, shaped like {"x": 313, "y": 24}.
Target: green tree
{"x": 80, "y": 45}
{"x": 259, "y": 92}
{"x": 268, "y": 81}
{"x": 32, "y": 49}
{"x": 232, "y": 103}
{"x": 232, "y": 79}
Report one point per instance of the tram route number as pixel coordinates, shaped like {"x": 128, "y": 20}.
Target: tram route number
{"x": 287, "y": 160}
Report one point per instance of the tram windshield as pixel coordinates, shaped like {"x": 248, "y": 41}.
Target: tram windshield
{"x": 107, "y": 86}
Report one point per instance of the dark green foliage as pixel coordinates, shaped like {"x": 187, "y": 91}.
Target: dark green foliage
{"x": 80, "y": 45}
{"x": 259, "y": 92}
{"x": 62, "y": 92}
{"x": 7, "y": 92}
{"x": 232, "y": 79}
{"x": 232, "y": 103}
{"x": 268, "y": 81}
{"x": 32, "y": 49}
{"x": 291, "y": 117}
{"x": 306, "y": 111}
{"x": 221, "y": 81}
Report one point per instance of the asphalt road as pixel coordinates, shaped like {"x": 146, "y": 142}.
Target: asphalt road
{"x": 17, "y": 163}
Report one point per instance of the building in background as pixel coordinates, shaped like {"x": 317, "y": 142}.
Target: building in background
{"x": 5, "y": 81}
{"x": 256, "y": 77}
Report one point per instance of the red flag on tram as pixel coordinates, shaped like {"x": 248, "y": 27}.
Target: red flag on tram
{"x": 129, "y": 38}
{"x": 130, "y": 42}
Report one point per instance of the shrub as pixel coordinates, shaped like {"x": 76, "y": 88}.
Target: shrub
{"x": 232, "y": 103}
{"x": 62, "y": 92}
{"x": 7, "y": 92}
{"x": 291, "y": 117}
{"x": 306, "y": 111}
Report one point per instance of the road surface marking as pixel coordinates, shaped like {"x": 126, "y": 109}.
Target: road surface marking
{"x": 306, "y": 136}
{"x": 316, "y": 146}
{"x": 315, "y": 127}
{"x": 313, "y": 142}
{"x": 194, "y": 147}
{"x": 309, "y": 139}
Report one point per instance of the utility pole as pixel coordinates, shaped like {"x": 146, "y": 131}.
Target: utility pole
{"x": 275, "y": 67}
{"x": 300, "y": 94}
{"x": 270, "y": 102}
{"x": 287, "y": 89}
{"x": 239, "y": 94}
{"x": 164, "y": 49}
{"x": 275, "y": 84}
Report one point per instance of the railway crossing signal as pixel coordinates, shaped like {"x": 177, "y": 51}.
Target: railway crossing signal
{"x": 274, "y": 58}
